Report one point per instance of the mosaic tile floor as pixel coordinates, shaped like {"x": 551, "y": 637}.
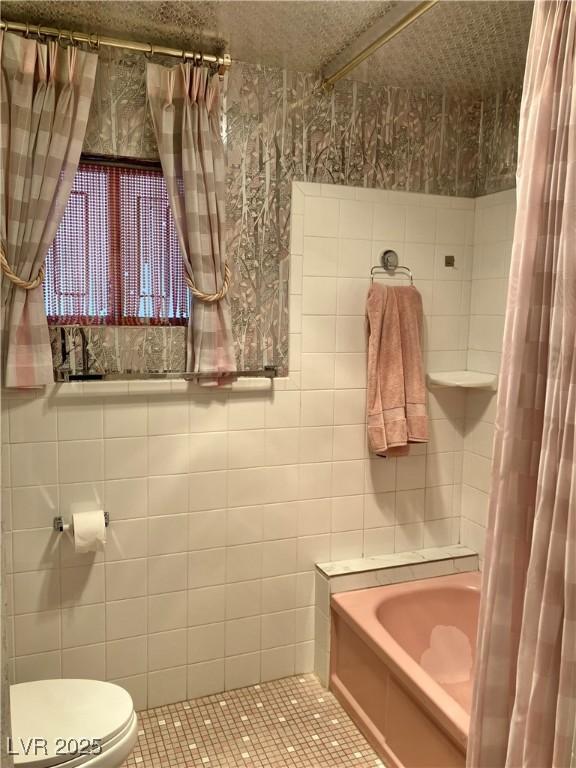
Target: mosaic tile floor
{"x": 289, "y": 723}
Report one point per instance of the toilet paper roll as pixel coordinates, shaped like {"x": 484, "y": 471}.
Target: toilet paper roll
{"x": 89, "y": 531}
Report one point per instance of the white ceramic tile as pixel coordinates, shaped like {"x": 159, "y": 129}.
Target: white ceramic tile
{"x": 167, "y": 573}
{"x": 319, "y": 295}
{"x": 281, "y": 446}
{"x": 83, "y": 585}
{"x": 283, "y": 410}
{"x": 347, "y": 513}
{"x": 410, "y": 506}
{"x": 208, "y": 490}
{"x": 348, "y": 478}
{"x": 32, "y": 421}
{"x": 349, "y": 442}
{"x": 36, "y": 591}
{"x": 166, "y": 686}
{"x": 170, "y": 454}
{"x": 280, "y": 662}
{"x": 127, "y": 539}
{"x": 280, "y": 521}
{"x": 246, "y": 448}
{"x": 126, "y": 618}
{"x": 350, "y": 406}
{"x": 207, "y": 530}
{"x": 378, "y": 541}
{"x": 208, "y": 413}
{"x": 351, "y": 295}
{"x": 167, "y": 611}
{"x": 278, "y": 557}
{"x": 125, "y": 418}
{"x": 83, "y": 625}
{"x": 314, "y": 516}
{"x": 350, "y": 334}
{"x": 241, "y": 671}
{"x": 354, "y": 257}
{"x": 205, "y": 679}
{"x": 80, "y": 421}
{"x": 126, "y": 579}
{"x": 279, "y": 593}
{"x": 126, "y": 457}
{"x": 318, "y": 408}
{"x": 38, "y": 666}
{"x": 379, "y": 510}
{"x": 168, "y": 417}
{"x": 321, "y": 216}
{"x": 315, "y": 444}
{"x": 247, "y": 412}
{"x": 380, "y": 475}
{"x": 243, "y": 598}
{"x": 34, "y": 507}
{"x": 206, "y": 567}
{"x": 87, "y": 661}
{"x": 206, "y": 605}
{"x": 167, "y": 495}
{"x": 33, "y": 463}
{"x": 126, "y": 498}
{"x": 347, "y": 544}
{"x": 389, "y": 223}
{"x": 420, "y": 225}
{"x": 243, "y": 563}
{"x": 410, "y": 472}
{"x": 37, "y": 632}
{"x": 243, "y": 636}
{"x": 278, "y": 629}
{"x": 35, "y": 549}
{"x": 408, "y": 537}
{"x": 350, "y": 370}
{"x": 320, "y": 256}
{"x": 315, "y": 480}
{"x": 355, "y": 219}
{"x": 167, "y": 649}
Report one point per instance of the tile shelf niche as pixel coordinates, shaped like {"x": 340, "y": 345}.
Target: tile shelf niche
{"x": 465, "y": 379}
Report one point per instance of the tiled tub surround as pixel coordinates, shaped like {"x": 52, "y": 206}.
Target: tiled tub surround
{"x": 350, "y": 575}
{"x": 493, "y": 233}
{"x": 222, "y": 502}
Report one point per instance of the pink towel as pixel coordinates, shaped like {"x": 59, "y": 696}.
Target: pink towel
{"x": 396, "y": 398}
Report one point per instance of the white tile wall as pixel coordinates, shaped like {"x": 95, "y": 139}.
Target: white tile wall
{"x": 493, "y": 235}
{"x": 222, "y": 502}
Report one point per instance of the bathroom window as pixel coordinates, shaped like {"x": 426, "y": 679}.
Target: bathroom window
{"x": 116, "y": 260}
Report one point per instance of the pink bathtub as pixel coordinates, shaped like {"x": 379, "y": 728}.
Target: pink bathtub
{"x": 401, "y": 665}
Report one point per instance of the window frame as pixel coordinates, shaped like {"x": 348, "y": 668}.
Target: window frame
{"x": 114, "y": 237}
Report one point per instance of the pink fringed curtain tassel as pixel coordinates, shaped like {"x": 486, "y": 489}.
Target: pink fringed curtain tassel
{"x": 525, "y": 695}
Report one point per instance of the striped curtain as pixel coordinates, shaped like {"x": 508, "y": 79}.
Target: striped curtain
{"x": 45, "y": 99}
{"x": 525, "y": 695}
{"x": 186, "y": 106}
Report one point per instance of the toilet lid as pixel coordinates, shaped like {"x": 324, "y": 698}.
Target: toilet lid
{"x": 61, "y": 713}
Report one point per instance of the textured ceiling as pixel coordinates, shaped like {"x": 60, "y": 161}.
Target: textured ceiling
{"x": 465, "y": 46}
{"x": 298, "y": 34}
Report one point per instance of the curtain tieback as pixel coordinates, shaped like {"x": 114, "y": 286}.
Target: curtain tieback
{"x": 27, "y": 285}
{"x": 210, "y": 298}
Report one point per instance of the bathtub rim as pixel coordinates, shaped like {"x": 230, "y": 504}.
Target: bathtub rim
{"x": 445, "y": 710}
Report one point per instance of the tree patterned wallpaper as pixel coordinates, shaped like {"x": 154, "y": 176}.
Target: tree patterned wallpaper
{"x": 279, "y": 128}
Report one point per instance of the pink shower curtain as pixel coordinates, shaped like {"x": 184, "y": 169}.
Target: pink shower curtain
{"x": 525, "y": 696}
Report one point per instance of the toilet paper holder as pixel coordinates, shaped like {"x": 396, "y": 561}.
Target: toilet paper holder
{"x": 61, "y": 526}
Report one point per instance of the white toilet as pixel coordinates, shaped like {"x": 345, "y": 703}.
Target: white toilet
{"x": 57, "y": 722}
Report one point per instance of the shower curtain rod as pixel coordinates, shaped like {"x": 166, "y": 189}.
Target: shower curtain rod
{"x": 96, "y": 40}
{"x": 381, "y": 40}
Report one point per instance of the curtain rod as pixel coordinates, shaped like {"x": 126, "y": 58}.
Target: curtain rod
{"x": 394, "y": 30}
{"x": 96, "y": 40}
